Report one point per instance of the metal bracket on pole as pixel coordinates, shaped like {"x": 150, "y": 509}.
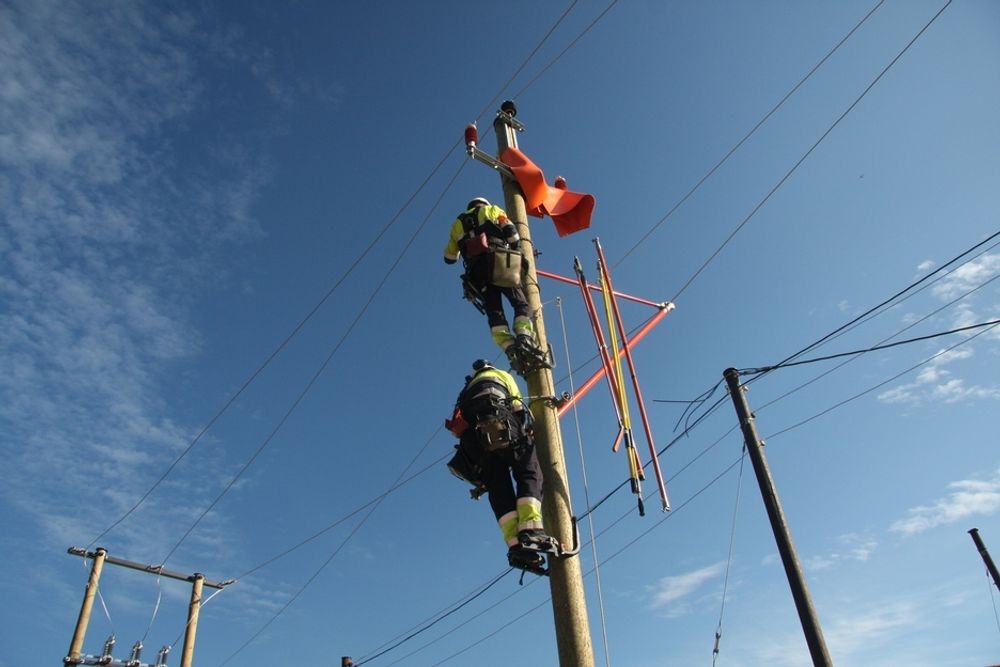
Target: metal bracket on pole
{"x": 477, "y": 153}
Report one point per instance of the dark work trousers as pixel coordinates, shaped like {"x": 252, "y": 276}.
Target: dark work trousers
{"x": 479, "y": 275}
{"x": 518, "y": 461}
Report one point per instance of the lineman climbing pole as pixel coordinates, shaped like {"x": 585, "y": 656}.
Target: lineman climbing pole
{"x": 565, "y": 579}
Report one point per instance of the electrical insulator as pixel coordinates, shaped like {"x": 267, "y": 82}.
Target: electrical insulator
{"x": 161, "y": 657}
{"x": 109, "y": 648}
{"x": 136, "y": 654}
{"x": 471, "y": 137}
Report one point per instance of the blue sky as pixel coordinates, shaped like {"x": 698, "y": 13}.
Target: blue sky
{"x": 184, "y": 183}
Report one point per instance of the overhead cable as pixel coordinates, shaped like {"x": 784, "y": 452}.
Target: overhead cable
{"x": 809, "y": 152}
{"x": 749, "y": 134}
{"x": 890, "y": 300}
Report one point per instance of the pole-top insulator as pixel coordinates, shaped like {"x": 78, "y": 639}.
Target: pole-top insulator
{"x": 471, "y": 134}
{"x": 508, "y": 107}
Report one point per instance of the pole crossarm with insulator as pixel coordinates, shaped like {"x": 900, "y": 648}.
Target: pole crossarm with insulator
{"x": 101, "y": 558}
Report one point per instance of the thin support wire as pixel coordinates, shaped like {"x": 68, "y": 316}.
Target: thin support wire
{"x": 729, "y": 559}
{"x": 586, "y": 491}
{"x": 201, "y": 606}
{"x": 993, "y": 597}
{"x": 156, "y": 608}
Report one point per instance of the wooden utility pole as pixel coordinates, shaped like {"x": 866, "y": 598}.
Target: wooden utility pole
{"x": 194, "y": 608}
{"x": 565, "y": 579}
{"x": 987, "y": 559}
{"x": 782, "y": 535}
{"x": 83, "y": 620}
{"x": 100, "y": 557}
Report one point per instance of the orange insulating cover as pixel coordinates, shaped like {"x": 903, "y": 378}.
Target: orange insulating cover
{"x": 570, "y": 211}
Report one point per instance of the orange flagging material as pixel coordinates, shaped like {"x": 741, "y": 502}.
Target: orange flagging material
{"x": 570, "y": 211}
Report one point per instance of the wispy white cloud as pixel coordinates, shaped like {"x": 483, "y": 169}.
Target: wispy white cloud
{"x": 968, "y": 276}
{"x": 669, "y": 591}
{"x": 934, "y": 382}
{"x": 107, "y": 232}
{"x": 969, "y": 497}
{"x": 972, "y": 282}
{"x": 850, "y": 547}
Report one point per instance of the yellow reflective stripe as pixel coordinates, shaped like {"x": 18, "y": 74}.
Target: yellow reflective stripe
{"x": 503, "y": 377}
{"x": 508, "y": 527}
{"x": 502, "y": 337}
{"x": 529, "y": 514}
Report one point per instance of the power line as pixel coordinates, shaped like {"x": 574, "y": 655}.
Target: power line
{"x": 887, "y": 338}
{"x": 881, "y": 384}
{"x": 331, "y": 526}
{"x": 322, "y": 367}
{"x": 766, "y": 369}
{"x": 806, "y": 155}
{"x": 526, "y": 61}
{"x": 434, "y": 622}
{"x": 747, "y": 136}
{"x": 281, "y": 346}
{"x": 886, "y": 302}
{"x": 295, "y": 403}
{"x": 565, "y": 50}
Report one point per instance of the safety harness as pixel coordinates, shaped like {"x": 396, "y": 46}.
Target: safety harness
{"x": 487, "y": 408}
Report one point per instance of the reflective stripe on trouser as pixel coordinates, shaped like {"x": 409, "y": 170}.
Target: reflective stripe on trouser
{"x": 522, "y": 326}
{"x": 502, "y": 336}
{"x": 499, "y": 467}
{"x": 529, "y": 514}
{"x": 508, "y": 526}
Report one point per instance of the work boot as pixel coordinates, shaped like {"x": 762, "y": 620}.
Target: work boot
{"x": 530, "y": 561}
{"x": 536, "y": 540}
{"x": 514, "y": 359}
{"x": 531, "y": 353}
{"x": 528, "y": 343}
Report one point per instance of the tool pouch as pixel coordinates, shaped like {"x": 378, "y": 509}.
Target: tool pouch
{"x": 462, "y": 466}
{"x": 505, "y": 269}
{"x": 494, "y": 433}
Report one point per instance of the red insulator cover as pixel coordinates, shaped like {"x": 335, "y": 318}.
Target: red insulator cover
{"x": 471, "y": 134}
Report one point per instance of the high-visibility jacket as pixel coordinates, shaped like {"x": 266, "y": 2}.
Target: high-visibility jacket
{"x": 490, "y": 220}
{"x": 494, "y": 375}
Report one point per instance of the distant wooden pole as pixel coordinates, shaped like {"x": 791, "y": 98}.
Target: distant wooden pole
{"x": 565, "y": 579}
{"x": 782, "y": 534}
{"x": 990, "y": 565}
{"x": 191, "y": 630}
{"x": 76, "y": 645}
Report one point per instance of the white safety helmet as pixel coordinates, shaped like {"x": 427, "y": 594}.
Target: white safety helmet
{"x": 478, "y": 201}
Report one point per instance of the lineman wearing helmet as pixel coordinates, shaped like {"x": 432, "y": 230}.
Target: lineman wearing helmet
{"x": 489, "y": 245}
{"x": 494, "y": 429}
